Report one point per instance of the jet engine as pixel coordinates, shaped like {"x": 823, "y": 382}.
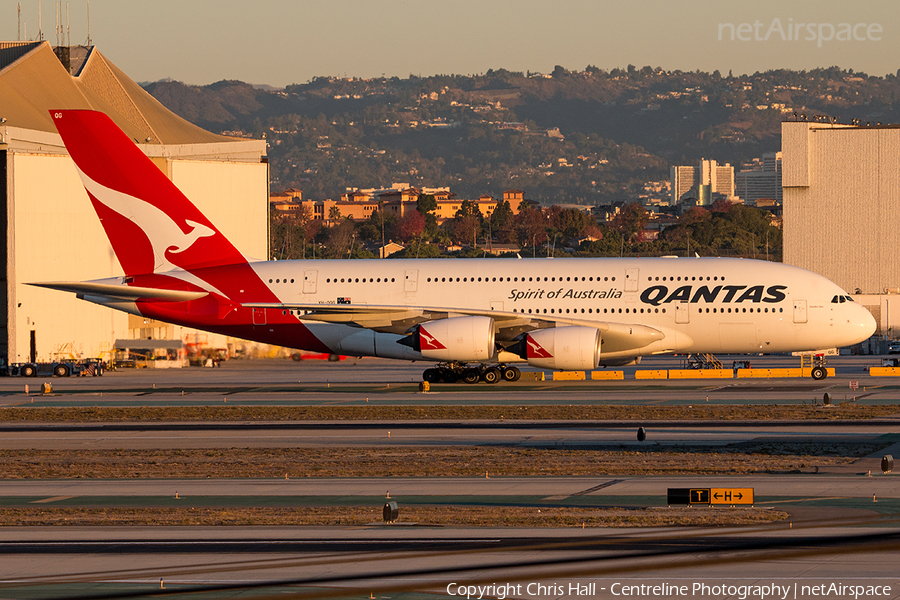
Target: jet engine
{"x": 564, "y": 348}
{"x": 457, "y": 339}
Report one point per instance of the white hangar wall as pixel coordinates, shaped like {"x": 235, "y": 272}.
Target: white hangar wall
{"x": 842, "y": 203}
{"x": 54, "y": 235}
{"x": 234, "y": 196}
{"x": 842, "y": 210}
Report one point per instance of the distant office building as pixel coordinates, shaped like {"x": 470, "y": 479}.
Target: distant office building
{"x": 841, "y": 215}
{"x": 705, "y": 182}
{"x": 761, "y": 181}
{"x": 398, "y": 200}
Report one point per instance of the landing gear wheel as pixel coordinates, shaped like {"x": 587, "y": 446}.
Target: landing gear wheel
{"x": 511, "y": 373}
{"x": 431, "y": 376}
{"x": 819, "y": 373}
{"x": 449, "y": 376}
{"x": 471, "y": 375}
{"x": 61, "y": 371}
{"x": 491, "y": 375}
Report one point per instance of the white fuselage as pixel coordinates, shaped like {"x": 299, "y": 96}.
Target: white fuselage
{"x": 718, "y": 305}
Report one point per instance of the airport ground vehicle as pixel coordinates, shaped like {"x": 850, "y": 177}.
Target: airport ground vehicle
{"x": 91, "y": 367}
{"x": 471, "y": 316}
{"x": 300, "y": 356}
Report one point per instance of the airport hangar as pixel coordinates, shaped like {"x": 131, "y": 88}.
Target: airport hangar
{"x": 841, "y": 186}
{"x": 51, "y": 230}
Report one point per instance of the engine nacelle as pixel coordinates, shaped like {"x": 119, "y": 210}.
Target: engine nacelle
{"x": 455, "y": 339}
{"x": 564, "y": 348}
{"x": 621, "y": 362}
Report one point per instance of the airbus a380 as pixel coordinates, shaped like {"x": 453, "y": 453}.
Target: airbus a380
{"x": 475, "y": 318}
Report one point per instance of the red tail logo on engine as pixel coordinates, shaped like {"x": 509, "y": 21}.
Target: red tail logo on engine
{"x": 535, "y": 350}
{"x": 428, "y": 341}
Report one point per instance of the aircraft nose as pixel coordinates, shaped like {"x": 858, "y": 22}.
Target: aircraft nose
{"x": 862, "y": 322}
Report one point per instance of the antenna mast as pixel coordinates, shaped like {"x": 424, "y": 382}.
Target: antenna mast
{"x": 89, "y": 24}
{"x": 40, "y": 26}
{"x": 19, "y": 31}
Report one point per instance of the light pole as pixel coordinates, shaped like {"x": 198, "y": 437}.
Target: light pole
{"x": 381, "y": 212}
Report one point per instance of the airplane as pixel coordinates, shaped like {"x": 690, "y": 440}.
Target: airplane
{"x": 475, "y": 318}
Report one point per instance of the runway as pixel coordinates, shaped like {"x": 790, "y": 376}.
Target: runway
{"x": 643, "y": 491}
{"x": 377, "y": 382}
{"x": 515, "y": 433}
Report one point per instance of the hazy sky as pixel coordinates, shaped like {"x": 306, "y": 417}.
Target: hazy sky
{"x": 279, "y": 42}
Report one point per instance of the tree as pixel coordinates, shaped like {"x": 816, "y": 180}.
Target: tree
{"x": 340, "y": 239}
{"x": 531, "y": 227}
{"x": 465, "y": 225}
{"x": 570, "y": 223}
{"x": 559, "y": 72}
{"x": 289, "y": 234}
{"x": 721, "y": 205}
{"x": 426, "y": 204}
{"x": 695, "y": 214}
{"x": 334, "y": 213}
{"x": 410, "y": 226}
{"x": 631, "y": 220}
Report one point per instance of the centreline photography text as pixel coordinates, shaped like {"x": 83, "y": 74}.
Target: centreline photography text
{"x": 758, "y": 589}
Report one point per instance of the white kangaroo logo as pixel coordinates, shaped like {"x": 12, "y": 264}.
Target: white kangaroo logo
{"x": 430, "y": 342}
{"x": 537, "y": 349}
{"x": 164, "y": 234}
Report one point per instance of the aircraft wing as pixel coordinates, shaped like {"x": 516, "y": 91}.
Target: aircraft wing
{"x": 510, "y": 325}
{"x": 121, "y": 292}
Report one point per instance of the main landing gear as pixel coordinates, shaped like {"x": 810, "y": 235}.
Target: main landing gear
{"x": 454, "y": 372}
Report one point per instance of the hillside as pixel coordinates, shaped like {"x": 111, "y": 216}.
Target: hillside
{"x": 587, "y": 137}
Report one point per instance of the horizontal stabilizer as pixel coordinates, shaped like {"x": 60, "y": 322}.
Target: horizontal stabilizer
{"x": 125, "y": 292}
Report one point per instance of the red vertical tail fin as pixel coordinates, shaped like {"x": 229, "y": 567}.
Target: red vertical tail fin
{"x": 150, "y": 224}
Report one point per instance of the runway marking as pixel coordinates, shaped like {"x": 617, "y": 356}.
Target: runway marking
{"x": 53, "y": 499}
{"x": 606, "y": 484}
{"x": 806, "y": 499}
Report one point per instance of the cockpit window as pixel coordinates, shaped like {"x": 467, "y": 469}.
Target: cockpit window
{"x": 841, "y": 299}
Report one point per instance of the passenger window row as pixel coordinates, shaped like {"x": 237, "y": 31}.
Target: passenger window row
{"x": 560, "y": 311}
{"x": 701, "y": 310}
{"x": 742, "y": 310}
{"x": 714, "y": 278}
{"x": 515, "y": 279}
{"x": 357, "y": 280}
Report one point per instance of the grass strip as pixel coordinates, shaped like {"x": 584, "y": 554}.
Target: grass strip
{"x": 357, "y": 516}
{"x": 418, "y": 461}
{"x": 763, "y": 412}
